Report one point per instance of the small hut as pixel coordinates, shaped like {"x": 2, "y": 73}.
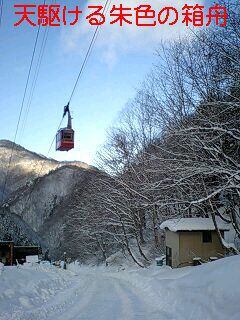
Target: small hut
{"x": 20, "y": 253}
{"x": 11, "y": 254}
{"x": 6, "y": 252}
{"x": 192, "y": 239}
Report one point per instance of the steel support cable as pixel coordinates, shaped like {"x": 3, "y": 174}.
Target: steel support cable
{"x": 87, "y": 54}
{"x": 20, "y": 113}
{"x": 1, "y": 11}
{"x": 22, "y": 105}
{"x": 35, "y": 78}
{"x": 41, "y": 168}
{"x": 34, "y": 82}
{"x": 74, "y": 88}
{"x": 106, "y": 8}
{"x": 76, "y": 83}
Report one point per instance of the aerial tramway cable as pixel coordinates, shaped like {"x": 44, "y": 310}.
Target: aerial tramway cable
{"x": 1, "y": 11}
{"x": 25, "y": 90}
{"x": 20, "y": 113}
{"x": 74, "y": 88}
{"x": 35, "y": 78}
{"x": 65, "y": 136}
{"x": 94, "y": 37}
{"x": 93, "y": 40}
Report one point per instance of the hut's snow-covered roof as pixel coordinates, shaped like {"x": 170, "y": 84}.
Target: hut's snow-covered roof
{"x": 193, "y": 224}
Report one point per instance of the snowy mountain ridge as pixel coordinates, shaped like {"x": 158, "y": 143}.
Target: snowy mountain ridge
{"x": 38, "y": 191}
{"x": 25, "y": 166}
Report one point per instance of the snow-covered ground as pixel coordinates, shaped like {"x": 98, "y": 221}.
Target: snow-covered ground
{"x": 209, "y": 292}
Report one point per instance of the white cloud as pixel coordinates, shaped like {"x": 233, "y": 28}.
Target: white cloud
{"x": 114, "y": 40}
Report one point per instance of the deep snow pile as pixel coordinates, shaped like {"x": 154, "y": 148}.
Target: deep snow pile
{"x": 1, "y": 268}
{"x": 208, "y": 292}
{"x": 26, "y": 287}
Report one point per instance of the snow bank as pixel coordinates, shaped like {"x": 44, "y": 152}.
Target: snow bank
{"x": 1, "y": 268}
{"x": 27, "y": 287}
{"x": 210, "y": 291}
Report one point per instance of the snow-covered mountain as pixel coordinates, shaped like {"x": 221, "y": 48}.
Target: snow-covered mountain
{"x": 24, "y": 166}
{"x": 39, "y": 192}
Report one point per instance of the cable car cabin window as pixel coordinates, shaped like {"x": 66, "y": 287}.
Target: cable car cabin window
{"x": 206, "y": 236}
{"x": 59, "y": 136}
{"x": 67, "y": 136}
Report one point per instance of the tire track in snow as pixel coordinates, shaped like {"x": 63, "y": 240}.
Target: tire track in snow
{"x": 146, "y": 306}
{"x": 102, "y": 302}
{"x": 107, "y": 299}
{"x": 82, "y": 300}
{"x": 95, "y": 297}
{"x": 137, "y": 306}
{"x": 127, "y": 311}
{"x": 53, "y": 308}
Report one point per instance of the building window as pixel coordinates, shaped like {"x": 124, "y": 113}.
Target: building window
{"x": 168, "y": 256}
{"x": 207, "y": 236}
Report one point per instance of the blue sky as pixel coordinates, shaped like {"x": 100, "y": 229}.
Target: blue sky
{"x": 118, "y": 64}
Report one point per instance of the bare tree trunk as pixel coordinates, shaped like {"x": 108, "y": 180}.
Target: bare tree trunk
{"x": 128, "y": 247}
{"x": 155, "y": 227}
{"x": 229, "y": 249}
{"x": 140, "y": 249}
{"x": 103, "y": 250}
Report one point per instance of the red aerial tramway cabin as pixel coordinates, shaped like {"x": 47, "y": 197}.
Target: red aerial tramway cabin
{"x": 65, "y": 136}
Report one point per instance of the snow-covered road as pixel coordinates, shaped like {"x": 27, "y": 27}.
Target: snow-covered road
{"x": 103, "y": 298}
{"x": 97, "y": 297}
{"x": 41, "y": 292}
{"x": 92, "y": 296}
